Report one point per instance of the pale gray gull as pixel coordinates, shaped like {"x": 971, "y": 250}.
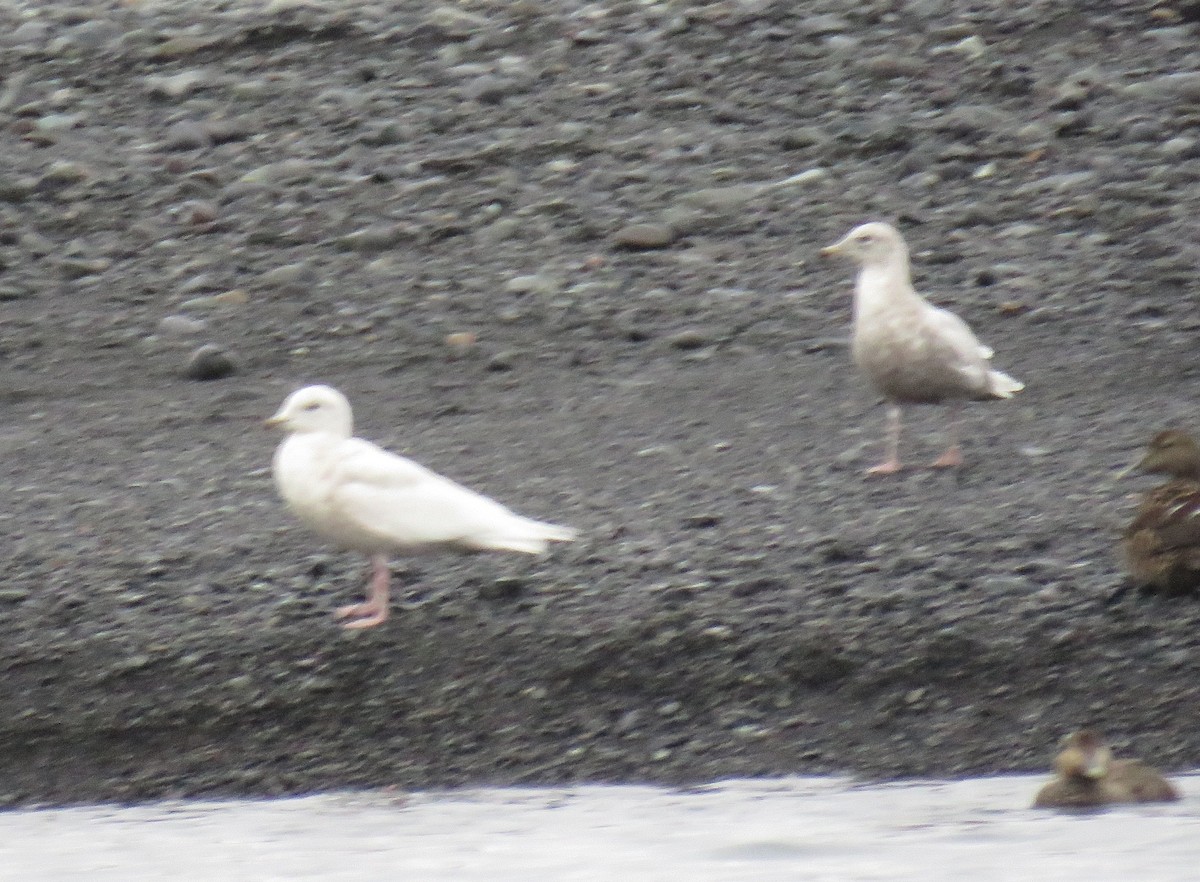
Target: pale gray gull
{"x": 912, "y": 351}
{"x": 363, "y": 498}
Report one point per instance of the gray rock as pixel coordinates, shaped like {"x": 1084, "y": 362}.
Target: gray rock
{"x": 175, "y": 86}
{"x": 690, "y": 338}
{"x": 1179, "y": 146}
{"x": 1069, "y": 96}
{"x": 209, "y": 362}
{"x": 1167, "y": 86}
{"x": 180, "y": 326}
{"x": 490, "y": 89}
{"x": 62, "y": 172}
{"x": 60, "y": 122}
{"x": 377, "y": 237}
{"x": 95, "y": 34}
{"x": 293, "y": 277}
{"x": 504, "y": 361}
{"x": 186, "y": 134}
{"x": 543, "y": 284}
{"x": 30, "y": 34}
{"x": 644, "y": 236}
{"x": 79, "y": 267}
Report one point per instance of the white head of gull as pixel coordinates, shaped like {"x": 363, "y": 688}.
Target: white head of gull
{"x": 912, "y": 351}
{"x": 363, "y": 498}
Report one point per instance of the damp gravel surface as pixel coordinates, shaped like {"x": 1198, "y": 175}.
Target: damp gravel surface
{"x": 567, "y": 253}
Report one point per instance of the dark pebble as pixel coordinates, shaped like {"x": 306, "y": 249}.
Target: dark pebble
{"x": 209, "y": 362}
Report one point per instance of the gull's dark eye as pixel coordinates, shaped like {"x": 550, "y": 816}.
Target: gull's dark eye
{"x": 312, "y": 405}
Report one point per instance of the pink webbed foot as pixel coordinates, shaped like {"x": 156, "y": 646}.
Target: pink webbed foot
{"x": 374, "y": 610}
{"x": 362, "y": 615}
{"x": 951, "y": 459}
{"x": 887, "y": 467}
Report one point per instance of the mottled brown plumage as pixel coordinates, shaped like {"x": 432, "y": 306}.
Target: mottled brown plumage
{"x": 912, "y": 351}
{"x": 1088, "y": 776}
{"x": 1162, "y": 544}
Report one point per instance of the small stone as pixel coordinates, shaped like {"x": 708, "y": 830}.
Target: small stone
{"x": 209, "y": 362}
{"x": 1069, "y": 96}
{"x": 177, "y": 85}
{"x": 62, "y": 172}
{"x": 888, "y": 66}
{"x": 502, "y": 361}
{"x": 382, "y": 133}
{"x": 972, "y": 47}
{"x": 94, "y": 34}
{"x": 59, "y": 122}
{"x": 223, "y": 130}
{"x": 31, "y": 33}
{"x": 1180, "y": 146}
{"x": 537, "y": 283}
{"x": 803, "y": 136}
{"x": 378, "y": 237}
{"x": 180, "y": 326}
{"x": 204, "y": 304}
{"x": 644, "y": 236}
{"x": 460, "y": 343}
{"x": 809, "y": 176}
{"x": 187, "y": 134}
{"x": 489, "y": 89}
{"x": 289, "y": 171}
{"x": 232, "y": 297}
{"x": 593, "y": 37}
{"x": 198, "y": 213}
{"x": 181, "y": 46}
{"x": 295, "y": 277}
{"x": 79, "y": 267}
{"x": 689, "y": 338}
{"x": 1174, "y": 85}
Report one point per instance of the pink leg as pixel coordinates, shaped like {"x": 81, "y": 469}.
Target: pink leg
{"x": 891, "y": 465}
{"x": 374, "y": 610}
{"x": 952, "y": 458}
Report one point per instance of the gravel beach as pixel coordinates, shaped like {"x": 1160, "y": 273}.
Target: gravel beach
{"x": 566, "y": 253}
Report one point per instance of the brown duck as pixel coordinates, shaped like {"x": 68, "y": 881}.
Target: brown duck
{"x": 1162, "y": 545}
{"x": 1088, "y": 776}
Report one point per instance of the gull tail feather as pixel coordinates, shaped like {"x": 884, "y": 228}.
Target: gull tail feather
{"x": 525, "y": 535}
{"x": 1002, "y": 385}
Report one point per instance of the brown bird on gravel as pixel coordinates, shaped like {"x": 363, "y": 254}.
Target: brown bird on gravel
{"x": 1162, "y": 544}
{"x": 1088, "y": 776}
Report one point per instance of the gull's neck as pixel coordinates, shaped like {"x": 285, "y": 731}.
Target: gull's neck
{"x": 317, "y": 442}
{"x": 884, "y": 283}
